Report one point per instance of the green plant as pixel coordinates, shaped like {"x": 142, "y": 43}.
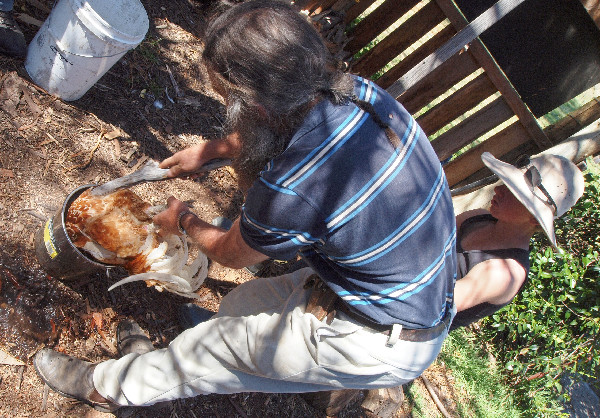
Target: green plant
{"x": 553, "y": 326}
{"x": 149, "y": 49}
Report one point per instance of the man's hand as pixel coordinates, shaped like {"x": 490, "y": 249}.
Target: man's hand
{"x": 189, "y": 161}
{"x": 186, "y": 162}
{"x": 168, "y": 220}
{"x": 226, "y": 247}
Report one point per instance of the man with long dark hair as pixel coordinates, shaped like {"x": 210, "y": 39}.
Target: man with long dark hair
{"x": 333, "y": 168}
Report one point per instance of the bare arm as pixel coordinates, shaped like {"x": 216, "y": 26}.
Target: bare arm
{"x": 494, "y": 281}
{"x": 227, "y": 248}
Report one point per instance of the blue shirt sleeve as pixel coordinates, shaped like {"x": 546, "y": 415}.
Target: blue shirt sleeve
{"x": 278, "y": 223}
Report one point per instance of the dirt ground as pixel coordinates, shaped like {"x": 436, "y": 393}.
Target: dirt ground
{"x": 49, "y": 147}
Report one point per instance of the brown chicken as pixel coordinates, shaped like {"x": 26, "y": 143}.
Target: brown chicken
{"x": 117, "y": 229}
{"x": 114, "y": 228}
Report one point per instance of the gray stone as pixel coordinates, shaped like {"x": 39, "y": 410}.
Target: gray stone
{"x": 584, "y": 401}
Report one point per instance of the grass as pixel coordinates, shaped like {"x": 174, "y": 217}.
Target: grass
{"x": 419, "y": 405}
{"x": 478, "y": 382}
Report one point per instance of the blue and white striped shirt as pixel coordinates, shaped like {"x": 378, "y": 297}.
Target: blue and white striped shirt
{"x": 376, "y": 223}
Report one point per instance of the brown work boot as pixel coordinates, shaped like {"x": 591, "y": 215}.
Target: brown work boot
{"x": 131, "y": 338}
{"x": 12, "y": 41}
{"x": 70, "y": 377}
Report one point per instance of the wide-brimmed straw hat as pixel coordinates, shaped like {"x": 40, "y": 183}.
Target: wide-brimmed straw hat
{"x": 548, "y": 186}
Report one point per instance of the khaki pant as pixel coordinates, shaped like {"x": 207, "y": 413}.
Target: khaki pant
{"x": 262, "y": 341}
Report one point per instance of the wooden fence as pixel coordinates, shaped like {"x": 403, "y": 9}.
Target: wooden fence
{"x": 512, "y": 130}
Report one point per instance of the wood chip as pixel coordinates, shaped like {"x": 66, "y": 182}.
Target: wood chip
{"x": 39, "y": 154}
{"x": 237, "y": 407}
{"x": 87, "y": 161}
{"x": 29, "y": 99}
{"x": 46, "y": 167}
{"x": 30, "y": 20}
{"x": 9, "y": 95}
{"x": 435, "y": 398}
{"x": 115, "y": 133}
{"x": 5, "y": 172}
{"x": 28, "y": 126}
{"x": 117, "y": 145}
{"x": 192, "y": 101}
{"x": 7, "y": 359}
{"x": 46, "y": 142}
{"x": 35, "y": 214}
{"x": 141, "y": 161}
{"x": 20, "y": 382}
{"x": 45, "y": 397}
{"x": 178, "y": 93}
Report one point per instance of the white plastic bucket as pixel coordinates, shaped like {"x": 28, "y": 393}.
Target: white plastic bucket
{"x": 79, "y": 42}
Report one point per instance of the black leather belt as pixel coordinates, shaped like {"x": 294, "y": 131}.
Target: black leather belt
{"x": 324, "y": 302}
{"x": 406, "y": 334}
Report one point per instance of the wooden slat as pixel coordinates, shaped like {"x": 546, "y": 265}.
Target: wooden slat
{"x": 356, "y": 10}
{"x": 417, "y": 56}
{"x": 471, "y": 128}
{"x": 575, "y": 121}
{"x": 514, "y": 156}
{"x": 514, "y": 141}
{"x": 439, "y": 81}
{"x": 378, "y": 21}
{"x": 343, "y": 6}
{"x": 488, "y": 63}
{"x": 457, "y": 104}
{"x": 404, "y": 36}
{"x": 499, "y": 144}
{"x": 461, "y": 40}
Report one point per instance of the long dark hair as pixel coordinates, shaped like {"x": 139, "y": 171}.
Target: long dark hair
{"x": 273, "y": 65}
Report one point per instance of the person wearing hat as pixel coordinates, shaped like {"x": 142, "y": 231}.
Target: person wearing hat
{"x": 493, "y": 246}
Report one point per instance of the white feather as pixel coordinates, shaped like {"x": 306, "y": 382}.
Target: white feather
{"x": 152, "y": 275}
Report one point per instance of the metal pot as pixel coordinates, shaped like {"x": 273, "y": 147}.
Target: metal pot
{"x": 55, "y": 251}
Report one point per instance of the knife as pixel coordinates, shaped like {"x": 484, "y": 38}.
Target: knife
{"x": 149, "y": 172}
